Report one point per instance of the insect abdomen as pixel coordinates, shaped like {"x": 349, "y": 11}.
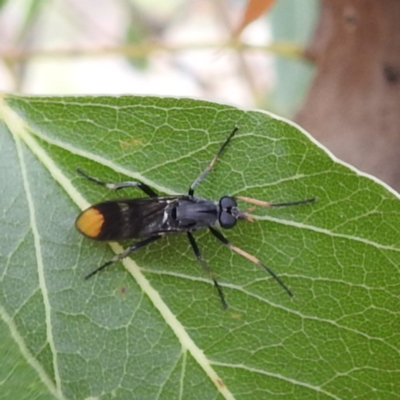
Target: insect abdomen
{"x": 112, "y": 220}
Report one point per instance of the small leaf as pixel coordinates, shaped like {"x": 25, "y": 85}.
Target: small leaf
{"x": 254, "y": 10}
{"x": 155, "y": 327}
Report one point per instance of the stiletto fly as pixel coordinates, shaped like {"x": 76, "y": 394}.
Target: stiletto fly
{"x": 152, "y": 217}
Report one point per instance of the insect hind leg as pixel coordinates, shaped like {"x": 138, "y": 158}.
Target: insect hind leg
{"x": 116, "y": 186}
{"x": 124, "y": 254}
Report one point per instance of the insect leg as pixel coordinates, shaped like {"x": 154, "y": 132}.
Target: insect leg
{"x": 197, "y": 253}
{"x": 122, "y": 255}
{"x": 251, "y": 258}
{"x": 116, "y": 186}
{"x": 213, "y": 161}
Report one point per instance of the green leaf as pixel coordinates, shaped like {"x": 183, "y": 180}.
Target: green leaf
{"x": 154, "y": 327}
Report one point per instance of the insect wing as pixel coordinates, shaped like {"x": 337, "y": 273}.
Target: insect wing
{"x": 122, "y": 219}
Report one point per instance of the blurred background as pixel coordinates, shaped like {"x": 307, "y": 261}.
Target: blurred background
{"x": 333, "y": 66}
{"x": 170, "y": 47}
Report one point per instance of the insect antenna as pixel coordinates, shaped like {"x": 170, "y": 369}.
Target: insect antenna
{"x": 262, "y": 203}
{"x": 250, "y": 257}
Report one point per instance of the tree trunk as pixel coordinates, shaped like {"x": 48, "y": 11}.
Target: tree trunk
{"x": 353, "y": 104}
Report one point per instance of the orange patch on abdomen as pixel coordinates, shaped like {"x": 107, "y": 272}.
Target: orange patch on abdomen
{"x": 90, "y": 222}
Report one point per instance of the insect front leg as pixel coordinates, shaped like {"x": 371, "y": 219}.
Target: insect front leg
{"x": 124, "y": 254}
{"x": 197, "y": 253}
{"x": 116, "y": 186}
{"x": 213, "y": 161}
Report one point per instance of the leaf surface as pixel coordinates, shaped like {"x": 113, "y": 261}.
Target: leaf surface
{"x": 154, "y": 326}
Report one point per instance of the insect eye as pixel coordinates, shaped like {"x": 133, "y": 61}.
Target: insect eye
{"x": 227, "y": 202}
{"x": 227, "y": 220}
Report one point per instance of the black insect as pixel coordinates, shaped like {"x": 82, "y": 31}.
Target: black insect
{"x": 153, "y": 217}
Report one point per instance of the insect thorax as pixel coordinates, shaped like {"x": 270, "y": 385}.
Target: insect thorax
{"x": 193, "y": 213}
